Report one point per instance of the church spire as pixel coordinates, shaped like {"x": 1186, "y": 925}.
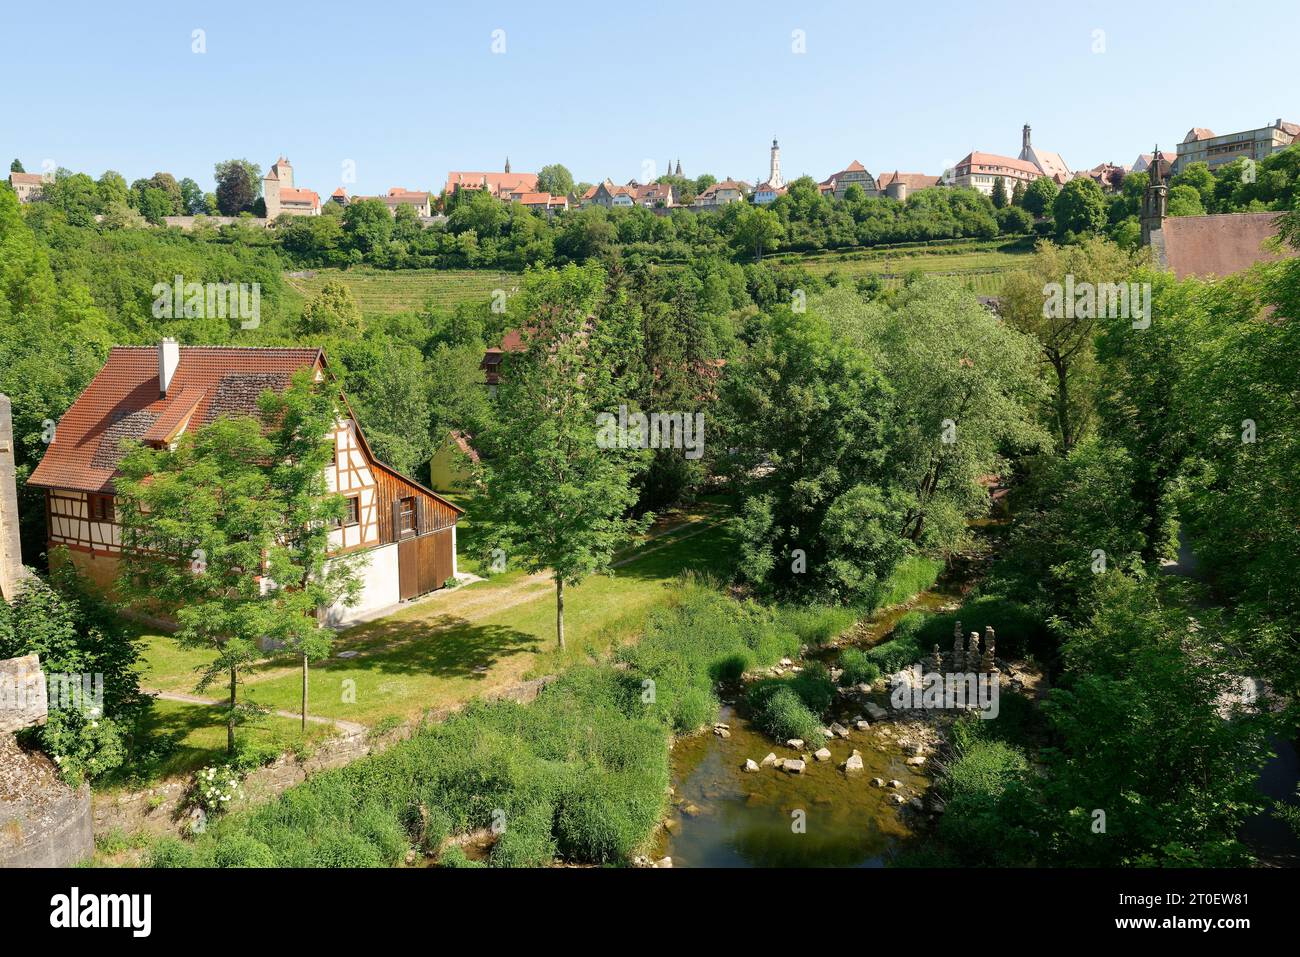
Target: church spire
{"x": 507, "y": 164}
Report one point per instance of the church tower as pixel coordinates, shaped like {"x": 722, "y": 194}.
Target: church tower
{"x": 1024, "y": 142}
{"x": 1155, "y": 200}
{"x": 679, "y": 167}
{"x": 774, "y": 174}
{"x": 507, "y": 164}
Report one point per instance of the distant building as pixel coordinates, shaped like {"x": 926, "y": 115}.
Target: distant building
{"x": 339, "y": 196}
{"x": 1106, "y": 175}
{"x": 1049, "y": 164}
{"x": 395, "y": 198}
{"x": 855, "y": 174}
{"x": 542, "y": 202}
{"x": 767, "y": 192}
{"x": 280, "y": 195}
{"x": 981, "y": 170}
{"x": 501, "y": 185}
{"x": 28, "y": 185}
{"x": 721, "y": 194}
{"x": 899, "y": 186}
{"x": 1202, "y": 146}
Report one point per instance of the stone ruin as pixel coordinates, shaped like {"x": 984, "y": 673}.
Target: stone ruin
{"x": 966, "y": 655}
{"x": 43, "y": 822}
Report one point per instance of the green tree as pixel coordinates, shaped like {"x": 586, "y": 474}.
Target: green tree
{"x": 1040, "y": 195}
{"x": 227, "y": 533}
{"x": 193, "y": 202}
{"x": 239, "y": 183}
{"x": 556, "y": 500}
{"x": 1065, "y": 331}
{"x": 1018, "y": 193}
{"x": 1079, "y": 209}
{"x": 555, "y": 179}
{"x": 999, "y": 192}
{"x": 17, "y": 166}
{"x": 331, "y": 313}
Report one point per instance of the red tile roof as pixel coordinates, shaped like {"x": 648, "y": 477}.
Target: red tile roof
{"x": 496, "y": 183}
{"x": 1219, "y": 244}
{"x": 309, "y": 196}
{"x": 123, "y": 401}
{"x": 30, "y": 179}
{"x": 976, "y": 158}
{"x": 913, "y": 181}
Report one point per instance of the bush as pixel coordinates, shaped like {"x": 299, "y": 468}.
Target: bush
{"x": 857, "y": 667}
{"x": 608, "y": 816}
{"x": 236, "y": 849}
{"x": 781, "y": 713}
{"x": 527, "y": 840}
{"x": 897, "y": 653}
{"x": 170, "y": 852}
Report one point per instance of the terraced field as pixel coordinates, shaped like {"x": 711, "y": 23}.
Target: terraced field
{"x": 381, "y": 292}
{"x": 983, "y": 266}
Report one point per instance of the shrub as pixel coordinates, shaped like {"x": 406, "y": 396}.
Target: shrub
{"x": 608, "y": 816}
{"x": 897, "y": 653}
{"x": 857, "y": 667}
{"x": 781, "y": 713}
{"x": 237, "y": 849}
{"x": 339, "y": 848}
{"x": 170, "y": 852}
{"x": 528, "y": 840}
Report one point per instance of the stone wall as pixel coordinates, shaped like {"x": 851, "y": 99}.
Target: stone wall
{"x": 61, "y": 836}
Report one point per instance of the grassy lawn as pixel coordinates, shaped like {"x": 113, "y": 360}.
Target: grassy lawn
{"x": 455, "y": 645}
{"x": 189, "y": 736}
{"x": 380, "y": 292}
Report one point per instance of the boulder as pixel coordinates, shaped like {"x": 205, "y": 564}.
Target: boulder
{"x": 822, "y": 754}
{"x": 916, "y": 761}
{"x": 793, "y": 765}
{"x": 895, "y": 783}
{"x": 898, "y": 799}
{"x": 768, "y": 761}
{"x": 664, "y": 862}
{"x": 877, "y": 782}
{"x": 854, "y": 762}
{"x": 876, "y": 712}
{"x": 751, "y": 765}
{"x": 861, "y": 724}
{"x": 722, "y": 732}
{"x": 839, "y": 729}
{"x": 795, "y": 744}
{"x": 827, "y": 733}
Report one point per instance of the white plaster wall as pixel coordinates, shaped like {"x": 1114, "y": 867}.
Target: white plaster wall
{"x": 379, "y": 589}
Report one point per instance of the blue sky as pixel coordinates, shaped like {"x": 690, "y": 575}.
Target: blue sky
{"x": 408, "y": 91}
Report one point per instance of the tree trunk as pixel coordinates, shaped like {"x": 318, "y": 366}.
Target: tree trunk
{"x": 559, "y": 610}
{"x": 1063, "y": 405}
{"x": 230, "y": 718}
{"x": 304, "y": 693}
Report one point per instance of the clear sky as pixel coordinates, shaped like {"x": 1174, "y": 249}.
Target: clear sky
{"x": 408, "y": 90}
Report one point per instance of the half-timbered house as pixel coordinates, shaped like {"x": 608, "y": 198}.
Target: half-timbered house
{"x": 153, "y": 395}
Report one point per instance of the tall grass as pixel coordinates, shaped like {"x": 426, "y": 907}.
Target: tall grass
{"x": 582, "y": 772}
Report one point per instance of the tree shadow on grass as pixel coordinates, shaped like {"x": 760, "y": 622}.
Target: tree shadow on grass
{"x": 444, "y": 646}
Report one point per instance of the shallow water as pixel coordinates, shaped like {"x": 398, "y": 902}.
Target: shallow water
{"x": 723, "y": 816}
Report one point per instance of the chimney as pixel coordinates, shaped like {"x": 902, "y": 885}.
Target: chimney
{"x": 169, "y": 357}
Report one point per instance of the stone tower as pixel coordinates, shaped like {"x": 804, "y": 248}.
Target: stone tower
{"x": 507, "y": 164}
{"x": 679, "y": 167}
{"x": 1024, "y": 141}
{"x": 279, "y": 177}
{"x": 12, "y": 572}
{"x": 774, "y": 173}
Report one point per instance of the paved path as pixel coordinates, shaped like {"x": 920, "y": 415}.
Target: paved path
{"x": 348, "y": 727}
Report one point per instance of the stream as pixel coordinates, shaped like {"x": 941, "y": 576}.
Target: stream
{"x": 723, "y": 816}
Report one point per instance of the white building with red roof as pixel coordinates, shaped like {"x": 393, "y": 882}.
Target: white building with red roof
{"x": 153, "y": 395}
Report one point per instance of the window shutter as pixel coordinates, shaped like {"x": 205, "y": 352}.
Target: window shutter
{"x": 397, "y": 519}
{"x": 421, "y": 516}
